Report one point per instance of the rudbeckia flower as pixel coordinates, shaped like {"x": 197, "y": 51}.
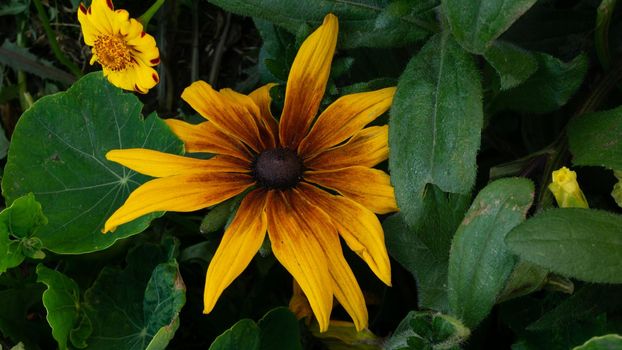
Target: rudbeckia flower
{"x": 118, "y": 42}
{"x": 308, "y": 181}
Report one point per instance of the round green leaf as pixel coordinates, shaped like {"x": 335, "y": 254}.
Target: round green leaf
{"x": 605, "y": 342}
{"x": 243, "y": 335}
{"x": 58, "y": 153}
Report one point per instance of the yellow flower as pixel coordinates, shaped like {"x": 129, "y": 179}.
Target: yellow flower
{"x": 566, "y": 189}
{"x": 118, "y": 42}
{"x": 311, "y": 181}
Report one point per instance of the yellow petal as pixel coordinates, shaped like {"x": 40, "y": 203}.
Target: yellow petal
{"x": 137, "y": 77}
{"x": 367, "y": 147}
{"x": 298, "y": 304}
{"x": 346, "y": 288}
{"x": 182, "y": 193}
{"x": 300, "y": 253}
{"x": 205, "y": 137}
{"x": 230, "y": 118}
{"x": 89, "y": 31}
{"x": 159, "y": 164}
{"x": 262, "y": 99}
{"x": 345, "y": 117}
{"x": 238, "y": 246}
{"x": 266, "y": 136}
{"x": 369, "y": 187}
{"x": 359, "y": 227}
{"x": 307, "y": 81}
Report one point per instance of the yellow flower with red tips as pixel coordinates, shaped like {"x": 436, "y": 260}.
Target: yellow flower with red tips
{"x": 119, "y": 43}
{"x": 311, "y": 180}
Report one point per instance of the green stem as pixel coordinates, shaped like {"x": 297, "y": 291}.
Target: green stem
{"x": 73, "y": 68}
{"x": 25, "y": 99}
{"x": 146, "y": 17}
{"x": 601, "y": 34}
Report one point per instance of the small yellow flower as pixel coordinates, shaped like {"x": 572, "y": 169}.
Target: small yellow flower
{"x": 312, "y": 180}
{"x": 118, "y": 42}
{"x": 566, "y": 189}
{"x": 617, "y": 188}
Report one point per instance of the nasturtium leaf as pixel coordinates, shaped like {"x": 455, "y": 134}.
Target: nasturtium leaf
{"x": 279, "y": 330}
{"x": 425, "y": 330}
{"x": 513, "y": 64}
{"x": 594, "y": 139}
{"x": 424, "y": 249}
{"x": 58, "y": 152}
{"x": 585, "y": 244}
{"x": 479, "y": 262}
{"x": 435, "y": 125}
{"x": 137, "y": 307}
{"x": 605, "y": 342}
{"x": 17, "y": 223}
{"x": 547, "y": 89}
{"x": 476, "y": 23}
{"x": 245, "y": 334}
{"x": 62, "y": 302}
{"x": 357, "y": 19}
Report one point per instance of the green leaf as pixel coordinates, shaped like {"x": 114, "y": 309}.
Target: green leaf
{"x": 549, "y": 88}
{"x": 62, "y": 302}
{"x": 357, "y": 19}
{"x": 58, "y": 153}
{"x": 479, "y": 263}
{"x": 525, "y": 279}
{"x": 19, "y": 221}
{"x": 279, "y": 330}
{"x": 582, "y": 243}
{"x": 594, "y": 139}
{"x": 476, "y": 23}
{"x": 513, "y": 64}
{"x": 585, "y": 304}
{"x": 435, "y": 125}
{"x": 243, "y": 335}
{"x": 427, "y": 331}
{"x": 605, "y": 342}
{"x": 424, "y": 250}
{"x": 137, "y": 307}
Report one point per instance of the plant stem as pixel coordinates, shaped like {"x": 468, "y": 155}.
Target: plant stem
{"x": 52, "y": 41}
{"x": 146, "y": 17}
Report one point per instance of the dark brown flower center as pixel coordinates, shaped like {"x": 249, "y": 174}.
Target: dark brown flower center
{"x": 278, "y": 168}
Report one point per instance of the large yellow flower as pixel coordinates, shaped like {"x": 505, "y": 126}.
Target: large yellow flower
{"x": 126, "y": 53}
{"x": 310, "y": 182}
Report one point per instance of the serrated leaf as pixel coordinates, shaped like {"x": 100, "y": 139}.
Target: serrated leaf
{"x": 129, "y": 308}
{"x": 605, "y": 342}
{"x": 62, "y": 302}
{"x": 594, "y": 139}
{"x": 424, "y": 330}
{"x": 479, "y": 262}
{"x": 582, "y": 243}
{"x": 513, "y": 64}
{"x": 357, "y": 19}
{"x": 58, "y": 152}
{"x": 435, "y": 125}
{"x": 279, "y": 330}
{"x": 476, "y": 23}
{"x": 547, "y": 89}
{"x": 424, "y": 250}
{"x": 243, "y": 335}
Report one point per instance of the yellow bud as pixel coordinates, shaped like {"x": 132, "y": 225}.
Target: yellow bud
{"x": 566, "y": 189}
